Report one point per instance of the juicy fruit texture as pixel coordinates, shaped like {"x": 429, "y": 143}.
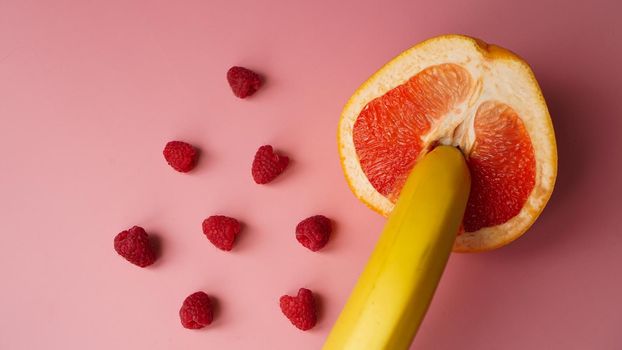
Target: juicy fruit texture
{"x": 300, "y": 310}
{"x": 243, "y": 82}
{"x": 502, "y": 166}
{"x": 134, "y": 246}
{"x": 221, "y": 231}
{"x": 387, "y": 136}
{"x": 196, "y": 311}
{"x": 267, "y": 165}
{"x": 314, "y": 232}
{"x": 387, "y": 133}
{"x": 457, "y": 91}
{"x": 181, "y": 156}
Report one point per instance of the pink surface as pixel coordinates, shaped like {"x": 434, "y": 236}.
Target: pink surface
{"x": 90, "y": 91}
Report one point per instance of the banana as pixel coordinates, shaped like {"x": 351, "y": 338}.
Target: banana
{"x": 394, "y": 291}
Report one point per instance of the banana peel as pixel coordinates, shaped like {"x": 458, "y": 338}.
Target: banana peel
{"x": 396, "y": 287}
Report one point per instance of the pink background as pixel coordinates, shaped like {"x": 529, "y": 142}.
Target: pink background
{"x": 90, "y": 91}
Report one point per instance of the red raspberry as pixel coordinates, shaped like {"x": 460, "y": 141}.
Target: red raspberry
{"x": 313, "y": 232}
{"x": 133, "y": 245}
{"x": 244, "y": 82}
{"x": 180, "y": 155}
{"x": 301, "y": 309}
{"x": 221, "y": 231}
{"x": 267, "y": 165}
{"x": 196, "y": 311}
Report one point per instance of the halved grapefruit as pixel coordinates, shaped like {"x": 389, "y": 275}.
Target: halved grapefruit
{"x": 459, "y": 91}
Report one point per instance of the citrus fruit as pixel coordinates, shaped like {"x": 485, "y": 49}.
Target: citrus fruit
{"x": 455, "y": 90}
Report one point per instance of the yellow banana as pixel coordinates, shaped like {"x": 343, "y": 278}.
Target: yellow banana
{"x": 392, "y": 294}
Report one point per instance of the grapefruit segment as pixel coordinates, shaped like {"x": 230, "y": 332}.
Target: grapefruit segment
{"x": 387, "y": 134}
{"x": 502, "y": 166}
{"x": 458, "y": 91}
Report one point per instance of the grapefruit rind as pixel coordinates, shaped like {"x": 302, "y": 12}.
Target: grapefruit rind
{"x": 498, "y": 75}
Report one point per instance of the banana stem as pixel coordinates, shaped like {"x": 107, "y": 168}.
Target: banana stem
{"x": 393, "y": 293}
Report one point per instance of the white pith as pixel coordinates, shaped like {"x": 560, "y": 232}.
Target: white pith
{"x": 504, "y": 79}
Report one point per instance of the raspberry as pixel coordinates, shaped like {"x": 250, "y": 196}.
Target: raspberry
{"x": 221, "y": 231}
{"x": 313, "y": 232}
{"x": 133, "y": 245}
{"x": 267, "y": 165}
{"x": 244, "y": 82}
{"x": 300, "y": 310}
{"x": 180, "y": 155}
{"x": 196, "y": 312}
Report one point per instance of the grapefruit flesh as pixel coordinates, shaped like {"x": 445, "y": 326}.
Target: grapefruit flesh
{"x": 387, "y": 133}
{"x": 502, "y": 166}
{"x": 458, "y": 91}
